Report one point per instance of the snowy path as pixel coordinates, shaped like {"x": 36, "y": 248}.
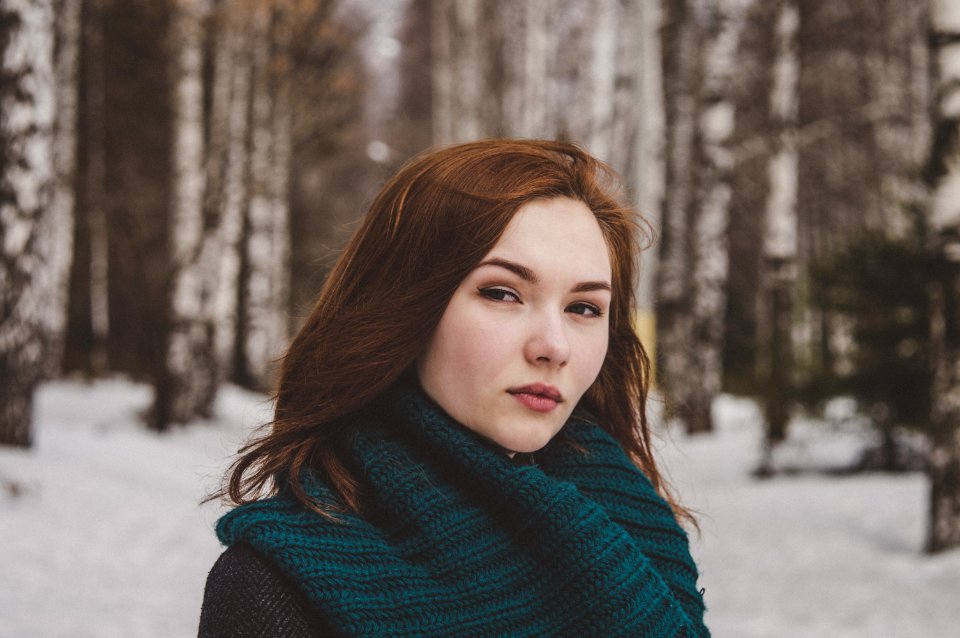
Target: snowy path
{"x": 105, "y": 538}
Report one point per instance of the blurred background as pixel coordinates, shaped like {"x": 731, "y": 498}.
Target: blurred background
{"x": 178, "y": 176}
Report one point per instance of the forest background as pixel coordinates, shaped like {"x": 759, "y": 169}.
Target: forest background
{"x": 177, "y": 176}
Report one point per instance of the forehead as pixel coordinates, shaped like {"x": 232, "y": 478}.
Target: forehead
{"x": 556, "y": 236}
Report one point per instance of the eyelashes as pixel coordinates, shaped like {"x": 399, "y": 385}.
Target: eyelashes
{"x": 585, "y": 309}
{"x": 507, "y": 296}
{"x": 498, "y": 294}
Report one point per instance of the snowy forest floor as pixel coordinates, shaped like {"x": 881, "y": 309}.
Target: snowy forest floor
{"x": 102, "y": 534}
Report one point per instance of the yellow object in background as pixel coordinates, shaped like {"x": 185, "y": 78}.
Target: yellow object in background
{"x": 645, "y": 324}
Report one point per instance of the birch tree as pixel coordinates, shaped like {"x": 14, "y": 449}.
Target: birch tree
{"x": 459, "y": 82}
{"x": 63, "y": 204}
{"x": 29, "y": 210}
{"x": 778, "y": 272}
{"x": 681, "y": 73}
{"x": 230, "y": 211}
{"x": 700, "y": 46}
{"x": 540, "y": 68}
{"x": 526, "y": 32}
{"x": 944, "y": 462}
{"x": 264, "y": 295}
{"x": 709, "y": 249}
{"x": 183, "y": 386}
{"x": 600, "y": 60}
{"x": 600, "y": 82}
{"x": 228, "y": 174}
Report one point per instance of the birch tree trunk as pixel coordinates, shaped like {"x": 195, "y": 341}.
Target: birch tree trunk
{"x": 628, "y": 119}
{"x": 526, "y": 34}
{"x": 459, "y": 83}
{"x": 601, "y": 79}
{"x": 700, "y": 49}
{"x": 944, "y": 462}
{"x": 778, "y": 272}
{"x": 66, "y": 70}
{"x": 681, "y": 72}
{"x": 28, "y": 240}
{"x": 227, "y": 196}
{"x": 186, "y": 385}
{"x": 278, "y": 326}
{"x": 264, "y": 297}
{"x": 225, "y": 321}
{"x": 710, "y": 259}
{"x": 537, "y": 117}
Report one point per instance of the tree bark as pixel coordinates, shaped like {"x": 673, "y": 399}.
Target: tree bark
{"x": 601, "y": 80}
{"x": 185, "y": 386}
{"x": 28, "y": 242}
{"x": 228, "y": 205}
{"x": 710, "y": 258}
{"x": 460, "y": 83}
{"x": 778, "y": 274}
{"x": 67, "y": 52}
{"x": 944, "y": 462}
{"x": 526, "y": 41}
{"x": 264, "y": 297}
{"x": 682, "y": 73}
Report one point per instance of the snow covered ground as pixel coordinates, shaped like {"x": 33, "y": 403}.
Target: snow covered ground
{"x": 101, "y": 533}
{"x": 810, "y": 555}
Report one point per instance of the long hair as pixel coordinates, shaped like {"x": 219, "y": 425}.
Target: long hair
{"x": 427, "y": 229}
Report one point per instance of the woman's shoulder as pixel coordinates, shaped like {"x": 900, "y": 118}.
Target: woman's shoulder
{"x": 247, "y": 595}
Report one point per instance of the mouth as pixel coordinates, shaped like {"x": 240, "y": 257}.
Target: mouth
{"x": 537, "y": 396}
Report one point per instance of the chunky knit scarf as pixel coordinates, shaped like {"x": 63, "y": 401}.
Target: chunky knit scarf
{"x": 457, "y": 539}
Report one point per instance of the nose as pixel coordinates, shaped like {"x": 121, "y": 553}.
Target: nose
{"x": 548, "y": 343}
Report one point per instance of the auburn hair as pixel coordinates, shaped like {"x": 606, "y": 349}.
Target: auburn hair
{"x": 430, "y": 225}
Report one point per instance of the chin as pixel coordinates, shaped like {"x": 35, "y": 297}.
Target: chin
{"x": 527, "y": 445}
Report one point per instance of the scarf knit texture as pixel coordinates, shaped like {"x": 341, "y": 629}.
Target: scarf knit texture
{"x": 456, "y": 538}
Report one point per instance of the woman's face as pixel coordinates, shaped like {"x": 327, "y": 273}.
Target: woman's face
{"x": 526, "y": 332}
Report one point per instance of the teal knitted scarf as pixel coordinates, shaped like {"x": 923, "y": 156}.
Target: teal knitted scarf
{"x": 458, "y": 539}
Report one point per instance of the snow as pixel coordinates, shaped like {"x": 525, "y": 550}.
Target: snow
{"x": 809, "y": 554}
{"x": 107, "y": 537}
{"x": 104, "y": 534}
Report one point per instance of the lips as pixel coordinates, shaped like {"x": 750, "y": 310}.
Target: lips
{"x": 537, "y": 396}
{"x": 539, "y": 389}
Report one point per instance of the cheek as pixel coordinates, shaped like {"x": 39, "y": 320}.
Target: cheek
{"x": 465, "y": 345}
{"x": 594, "y": 352}
{"x": 476, "y": 346}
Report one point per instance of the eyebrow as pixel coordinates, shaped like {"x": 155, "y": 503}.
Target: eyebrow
{"x": 529, "y": 276}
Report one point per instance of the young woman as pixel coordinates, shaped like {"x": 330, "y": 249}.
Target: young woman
{"x": 460, "y": 445}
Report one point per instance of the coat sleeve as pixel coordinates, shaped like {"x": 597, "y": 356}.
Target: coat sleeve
{"x": 246, "y": 595}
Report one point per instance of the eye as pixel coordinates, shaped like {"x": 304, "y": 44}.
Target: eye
{"x": 584, "y": 309}
{"x": 499, "y": 294}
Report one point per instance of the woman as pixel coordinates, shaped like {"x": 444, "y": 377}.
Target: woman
{"x": 460, "y": 444}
